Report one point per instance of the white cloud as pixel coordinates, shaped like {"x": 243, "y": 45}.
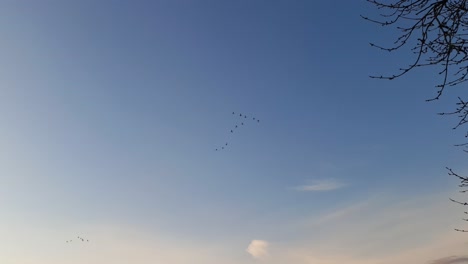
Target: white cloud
{"x": 258, "y": 249}
{"x": 321, "y": 185}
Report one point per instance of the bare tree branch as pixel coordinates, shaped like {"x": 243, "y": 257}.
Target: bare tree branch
{"x": 436, "y": 32}
{"x": 452, "y": 173}
{"x": 455, "y": 201}
{"x": 464, "y": 181}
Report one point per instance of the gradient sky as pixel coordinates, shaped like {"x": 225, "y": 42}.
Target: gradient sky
{"x": 111, "y": 111}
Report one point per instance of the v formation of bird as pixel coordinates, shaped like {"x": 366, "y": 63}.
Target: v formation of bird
{"x": 243, "y": 120}
{"x": 79, "y": 239}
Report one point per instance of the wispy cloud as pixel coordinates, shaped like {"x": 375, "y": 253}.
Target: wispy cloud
{"x": 341, "y": 213}
{"x": 382, "y": 229}
{"x": 451, "y": 260}
{"x": 258, "y": 249}
{"x": 320, "y": 185}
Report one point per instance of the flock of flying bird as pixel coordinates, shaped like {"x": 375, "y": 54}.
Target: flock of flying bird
{"x": 79, "y": 238}
{"x": 244, "y": 119}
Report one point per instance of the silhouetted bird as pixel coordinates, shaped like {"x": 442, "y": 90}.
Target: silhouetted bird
{"x": 242, "y": 123}
{"x": 232, "y": 112}
{"x": 258, "y": 121}
{"x": 226, "y": 144}
{"x": 240, "y": 114}
{"x": 231, "y": 131}
{"x": 216, "y": 149}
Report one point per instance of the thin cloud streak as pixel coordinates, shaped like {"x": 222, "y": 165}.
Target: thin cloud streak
{"x": 340, "y": 214}
{"x": 322, "y": 185}
{"x": 372, "y": 231}
{"x": 451, "y": 260}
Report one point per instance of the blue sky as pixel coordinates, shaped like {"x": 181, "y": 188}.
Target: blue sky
{"x": 111, "y": 111}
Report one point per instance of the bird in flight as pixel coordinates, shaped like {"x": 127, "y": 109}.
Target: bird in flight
{"x": 236, "y": 126}
{"x": 79, "y": 238}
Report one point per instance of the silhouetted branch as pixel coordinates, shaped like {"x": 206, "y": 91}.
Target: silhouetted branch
{"x": 464, "y": 183}
{"x": 436, "y": 31}
{"x": 452, "y": 173}
{"x": 455, "y": 201}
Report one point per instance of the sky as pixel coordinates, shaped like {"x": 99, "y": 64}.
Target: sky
{"x": 111, "y": 112}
